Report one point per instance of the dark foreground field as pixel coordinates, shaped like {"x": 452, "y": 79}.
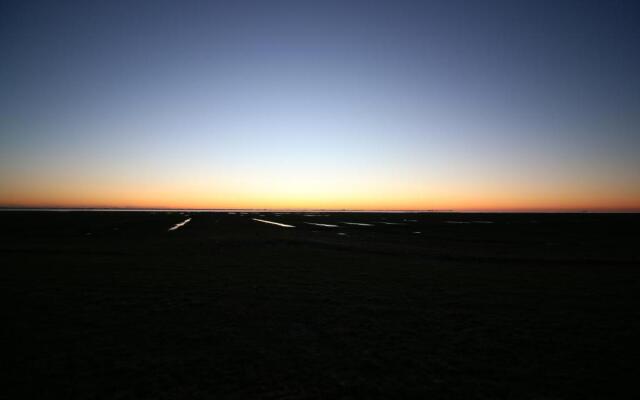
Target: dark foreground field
{"x": 112, "y": 305}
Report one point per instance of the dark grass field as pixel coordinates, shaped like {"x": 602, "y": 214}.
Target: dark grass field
{"x": 112, "y": 305}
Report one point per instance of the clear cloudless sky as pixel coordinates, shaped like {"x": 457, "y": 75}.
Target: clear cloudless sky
{"x": 465, "y": 105}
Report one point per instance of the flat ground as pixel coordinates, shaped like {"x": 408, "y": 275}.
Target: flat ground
{"x": 113, "y": 305}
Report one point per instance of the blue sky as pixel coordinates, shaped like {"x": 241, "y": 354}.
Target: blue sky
{"x": 386, "y": 105}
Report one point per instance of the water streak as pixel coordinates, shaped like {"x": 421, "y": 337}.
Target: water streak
{"x": 325, "y": 225}
{"x": 176, "y": 226}
{"x": 273, "y": 223}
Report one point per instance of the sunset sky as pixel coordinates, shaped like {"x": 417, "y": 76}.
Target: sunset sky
{"x": 397, "y": 105}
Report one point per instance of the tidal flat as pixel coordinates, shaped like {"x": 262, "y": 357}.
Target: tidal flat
{"x": 117, "y": 305}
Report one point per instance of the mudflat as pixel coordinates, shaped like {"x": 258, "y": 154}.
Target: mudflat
{"x": 318, "y": 305}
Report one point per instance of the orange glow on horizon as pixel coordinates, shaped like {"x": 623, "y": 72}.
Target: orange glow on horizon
{"x": 156, "y": 199}
{"x": 298, "y": 191}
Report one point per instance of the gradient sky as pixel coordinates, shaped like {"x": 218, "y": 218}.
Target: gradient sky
{"x": 474, "y": 105}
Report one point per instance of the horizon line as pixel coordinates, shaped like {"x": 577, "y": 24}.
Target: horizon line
{"x": 298, "y": 210}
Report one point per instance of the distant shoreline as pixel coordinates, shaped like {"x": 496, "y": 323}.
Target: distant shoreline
{"x": 258, "y": 210}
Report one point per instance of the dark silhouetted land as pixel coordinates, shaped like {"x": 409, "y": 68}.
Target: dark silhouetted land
{"x": 113, "y": 305}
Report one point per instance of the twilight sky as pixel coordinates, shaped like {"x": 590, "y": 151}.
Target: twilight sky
{"x": 466, "y": 105}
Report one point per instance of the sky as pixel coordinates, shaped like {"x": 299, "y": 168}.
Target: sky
{"x": 396, "y": 105}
